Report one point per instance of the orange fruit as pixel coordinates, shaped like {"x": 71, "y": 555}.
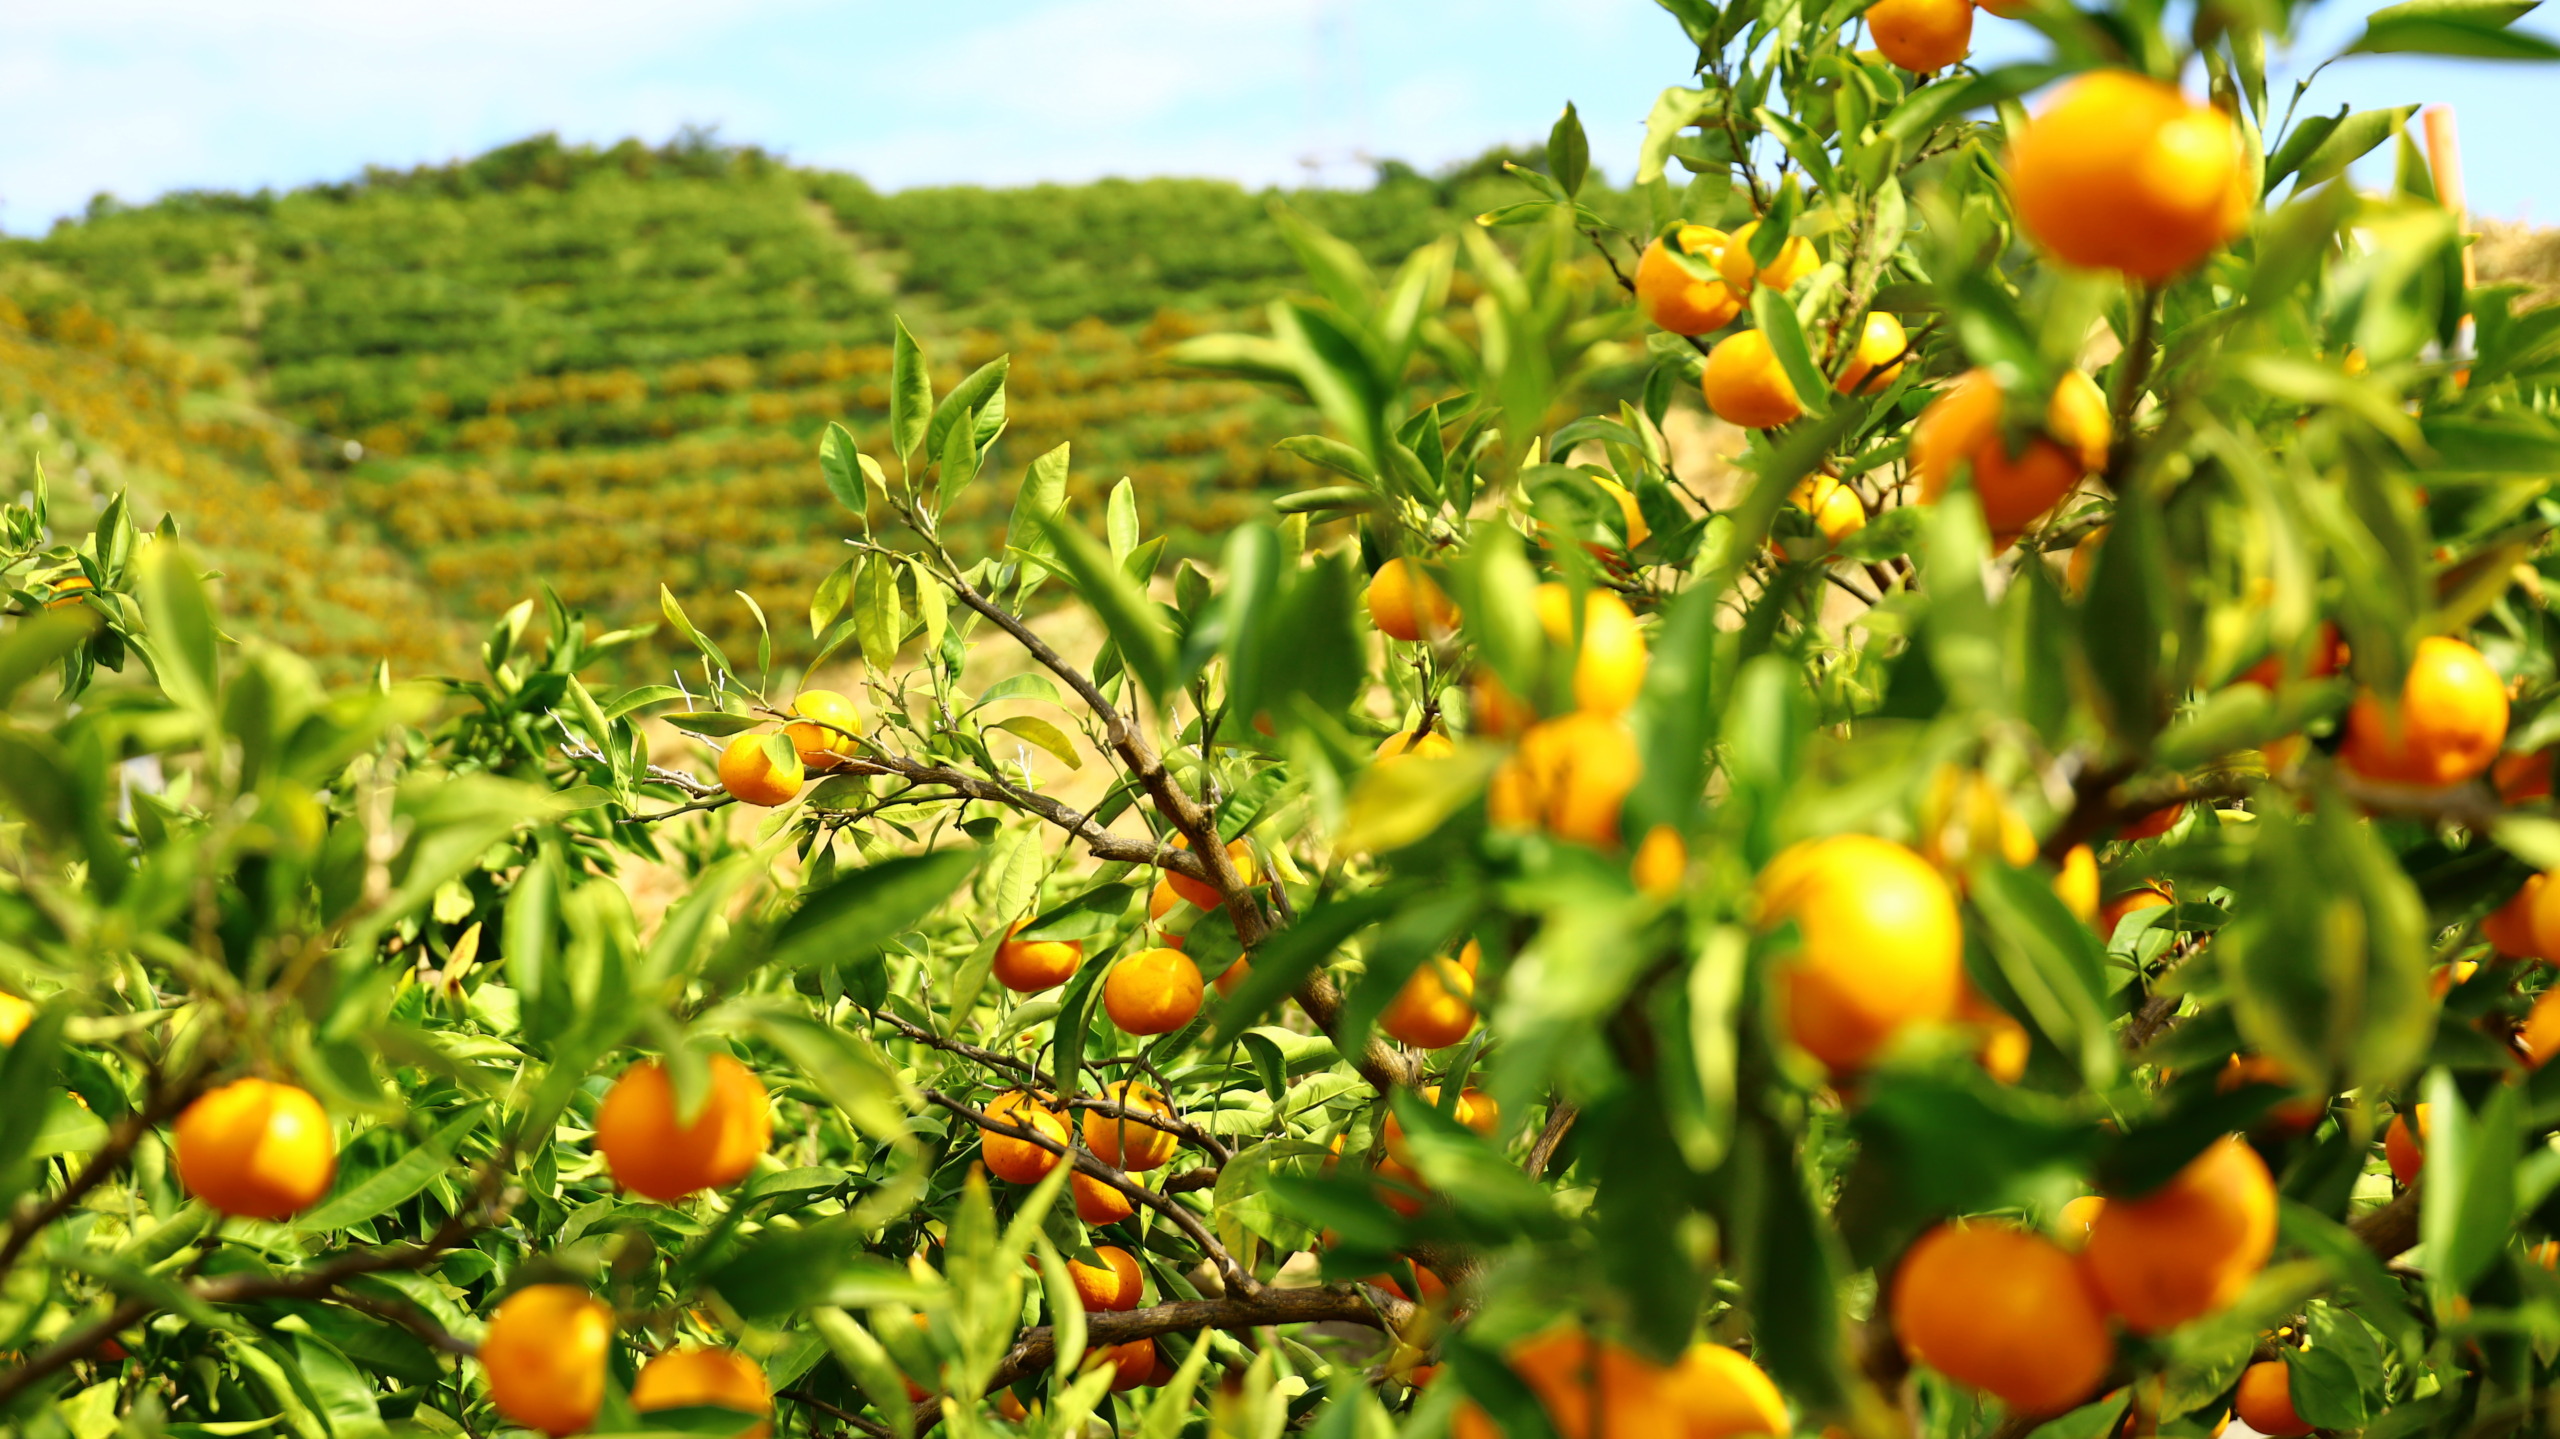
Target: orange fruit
{"x": 1406, "y": 1200}
{"x": 2509, "y": 927}
{"x": 1661, "y": 864}
{"x": 1433, "y": 1287}
{"x": 2077, "y": 1215}
{"x": 1744, "y": 383}
{"x": 1097, "y": 1202}
{"x": 2084, "y": 561}
{"x": 2005, "y": 1048}
{"x": 1010, "y": 1407}
{"x": 2077, "y": 884}
{"x": 828, "y": 741}
{"x": 1836, "y": 509}
{"x": 725, "y": 1378}
{"x": 2124, "y": 173}
{"x": 2153, "y": 825}
{"x": 1132, "y": 1364}
{"x": 1630, "y": 514}
{"x": 2404, "y": 1149}
{"x": 1880, "y": 353}
{"x": 1678, "y": 301}
{"x": 1019, "y": 1161}
{"x": 2189, "y": 1247}
{"x": 1595, "y": 1389}
{"x": 1406, "y": 604}
{"x": 2150, "y": 896}
{"x": 2328, "y": 656}
{"x": 1434, "y": 1009}
{"x": 1796, "y": 260}
{"x": 1882, "y": 944}
{"x": 2522, "y": 778}
{"x": 2003, "y": 1311}
{"x": 257, "y": 1149}
{"x": 749, "y": 774}
{"x": 1154, "y": 991}
{"x": 1495, "y": 710}
{"x": 1199, "y": 892}
{"x": 1125, "y": 1143}
{"x": 1028, "y": 966}
{"x": 1233, "y": 975}
{"x": 15, "y": 1015}
{"x": 544, "y": 1353}
{"x": 2447, "y": 977}
{"x": 2452, "y": 719}
{"x": 1434, "y": 745}
{"x": 1962, "y": 427}
{"x": 1964, "y": 818}
{"x": 1922, "y": 35}
{"x": 2008, "y": 9}
{"x": 2265, "y": 1401}
{"x": 1114, "y": 1284}
{"x": 1608, "y": 672}
{"x": 1475, "y": 1109}
{"x": 654, "y": 1156}
{"x": 1570, "y": 777}
{"x": 67, "y": 592}
{"x": 2539, "y": 1035}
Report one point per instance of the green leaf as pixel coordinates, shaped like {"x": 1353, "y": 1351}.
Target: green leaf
{"x": 184, "y": 640}
{"x": 959, "y": 458}
{"x": 910, "y": 395}
{"x": 862, "y": 1356}
{"x": 2467, "y": 1206}
{"x": 716, "y": 724}
{"x": 2306, "y": 138}
{"x": 864, "y": 909}
{"x": 40, "y": 641}
{"x": 2449, "y": 34}
{"x": 1777, "y": 321}
{"x": 398, "y": 1182}
{"x": 843, "y": 473}
{"x": 2348, "y": 140}
{"x": 1286, "y": 959}
{"x": 782, "y": 1270}
{"x": 1041, "y": 499}
{"x": 1131, "y": 619}
{"x": 29, "y": 1073}
{"x": 1047, "y": 736}
{"x": 1330, "y": 453}
{"x": 1568, "y": 152}
{"x": 879, "y": 615}
{"x": 1675, "y": 110}
{"x": 981, "y": 395}
{"x": 2052, "y": 963}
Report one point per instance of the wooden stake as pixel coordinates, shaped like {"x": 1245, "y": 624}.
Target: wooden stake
{"x": 2444, "y": 161}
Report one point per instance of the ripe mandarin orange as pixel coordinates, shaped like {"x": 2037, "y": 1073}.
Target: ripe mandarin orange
{"x": 1661, "y": 863}
{"x": 2189, "y": 1247}
{"x": 2265, "y": 1401}
{"x": 1236, "y": 973}
{"x": 1630, "y": 514}
{"x": 1154, "y": 991}
{"x": 1677, "y": 300}
{"x": 1132, "y": 1364}
{"x": 2521, "y": 778}
{"x": 1406, "y": 604}
{"x": 2452, "y": 719}
{"x": 750, "y": 775}
{"x": 2404, "y": 1149}
{"x": 1125, "y": 1143}
{"x": 654, "y": 1156}
{"x": 2539, "y": 1035}
{"x": 1569, "y": 777}
{"x": 1836, "y": 509}
{"x": 1028, "y": 966}
{"x": 68, "y": 591}
{"x": 1746, "y": 386}
{"x": 1020, "y": 1161}
{"x": 2076, "y": 1218}
{"x": 1878, "y": 357}
{"x": 15, "y": 1015}
{"x": 724, "y": 1378}
{"x": 257, "y": 1149}
{"x": 1434, "y": 1009}
{"x": 2153, "y": 825}
{"x": 1595, "y": 1389}
{"x": 1475, "y": 1109}
{"x": 1097, "y": 1202}
{"x": 544, "y": 1353}
{"x": 2004, "y": 1311}
{"x": 1608, "y": 672}
{"x": 1720, "y": 1394}
{"x": 827, "y": 740}
{"x": 1962, "y": 428}
{"x": 2077, "y": 884}
{"x": 2121, "y": 172}
{"x": 1200, "y": 892}
{"x": 1112, "y": 1285}
{"x": 1922, "y": 35}
{"x": 2150, "y": 896}
{"x": 1882, "y": 944}
{"x": 1434, "y": 745}
{"x": 1494, "y": 709}
{"x": 1796, "y": 260}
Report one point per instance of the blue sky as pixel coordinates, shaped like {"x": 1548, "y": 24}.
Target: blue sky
{"x": 137, "y": 97}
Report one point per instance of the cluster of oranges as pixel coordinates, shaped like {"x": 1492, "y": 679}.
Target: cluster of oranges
{"x": 821, "y": 739}
{"x": 1592, "y": 1387}
{"x": 2026, "y": 1318}
{"x": 547, "y": 1348}
{"x": 1127, "y": 1144}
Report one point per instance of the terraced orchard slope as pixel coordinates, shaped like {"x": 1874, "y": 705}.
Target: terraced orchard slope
{"x": 610, "y": 367}
{"x": 103, "y": 410}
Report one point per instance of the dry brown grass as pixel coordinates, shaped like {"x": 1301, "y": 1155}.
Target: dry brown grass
{"x": 2513, "y": 251}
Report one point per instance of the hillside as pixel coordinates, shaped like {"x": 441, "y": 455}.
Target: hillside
{"x": 609, "y": 366}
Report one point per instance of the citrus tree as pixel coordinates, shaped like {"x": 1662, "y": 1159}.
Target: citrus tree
{"x": 2011, "y": 901}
